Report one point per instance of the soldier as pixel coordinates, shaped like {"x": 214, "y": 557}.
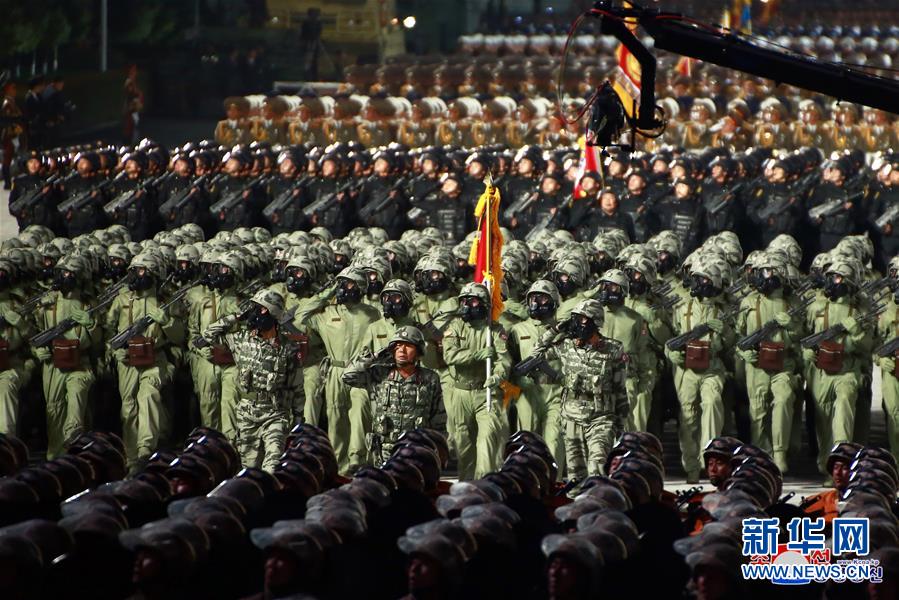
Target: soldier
{"x": 212, "y": 366}
{"x": 770, "y": 367}
{"x": 245, "y": 213}
{"x": 142, "y": 366}
{"x": 636, "y": 202}
{"x": 594, "y": 399}
{"x": 719, "y": 196}
{"x": 878, "y": 131}
{"x": 455, "y": 130}
{"x": 683, "y": 214}
{"x": 774, "y": 207}
{"x": 811, "y": 130}
{"x": 139, "y": 214}
{"x": 385, "y": 185}
{"x": 418, "y": 132}
{"x": 264, "y": 357}
{"x": 343, "y": 126}
{"x": 396, "y": 302}
{"x": 887, "y": 331}
{"x": 883, "y": 222}
{"x": 697, "y": 131}
{"x": 531, "y": 123}
{"x": 43, "y": 210}
{"x": 67, "y": 375}
{"x": 88, "y": 217}
{"x": 479, "y": 429}
{"x": 570, "y": 277}
{"x": 187, "y": 190}
{"x": 842, "y": 220}
{"x": 549, "y": 208}
{"x": 834, "y": 367}
{"x": 847, "y": 134}
{"x": 272, "y": 127}
{"x": 290, "y": 183}
{"x": 607, "y": 216}
{"x": 405, "y": 396}
{"x": 335, "y": 217}
{"x": 825, "y": 504}
{"x": 13, "y": 331}
{"x": 234, "y": 129}
{"x": 12, "y": 134}
{"x": 540, "y": 403}
{"x": 772, "y": 132}
{"x": 699, "y": 372}
{"x": 342, "y": 328}
{"x": 376, "y": 130}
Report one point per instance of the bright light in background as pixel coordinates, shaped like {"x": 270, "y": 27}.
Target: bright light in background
{"x": 409, "y": 22}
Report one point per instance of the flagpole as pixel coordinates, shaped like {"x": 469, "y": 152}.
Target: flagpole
{"x": 489, "y": 283}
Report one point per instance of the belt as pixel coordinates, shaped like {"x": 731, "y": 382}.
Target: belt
{"x": 461, "y": 385}
{"x": 339, "y": 363}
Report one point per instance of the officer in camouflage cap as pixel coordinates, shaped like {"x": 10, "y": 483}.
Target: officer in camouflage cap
{"x": 594, "y": 399}
{"x": 404, "y": 395}
{"x": 264, "y": 358}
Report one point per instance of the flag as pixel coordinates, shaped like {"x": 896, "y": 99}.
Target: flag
{"x": 685, "y": 66}
{"x": 626, "y": 80}
{"x": 486, "y": 250}
{"x": 589, "y": 162}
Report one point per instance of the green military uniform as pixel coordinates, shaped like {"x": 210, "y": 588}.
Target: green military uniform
{"x": 66, "y": 389}
{"x": 140, "y": 386}
{"x": 212, "y": 367}
{"x": 479, "y": 431}
{"x": 342, "y": 328}
{"x": 539, "y": 406}
{"x": 594, "y": 399}
{"x": 399, "y": 403}
{"x": 13, "y": 331}
{"x": 699, "y": 391}
{"x": 264, "y": 358}
{"x": 887, "y": 330}
{"x": 836, "y": 393}
{"x": 771, "y": 390}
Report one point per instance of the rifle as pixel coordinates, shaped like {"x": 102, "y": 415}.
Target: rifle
{"x": 33, "y": 197}
{"x": 726, "y": 198}
{"x": 251, "y": 288}
{"x": 736, "y": 287}
{"x": 667, "y": 303}
{"x": 373, "y": 208}
{"x": 28, "y": 305}
{"x": 752, "y": 341}
{"x": 662, "y": 289}
{"x": 322, "y": 203}
{"x": 683, "y": 497}
{"x": 882, "y": 221}
{"x": 536, "y": 362}
{"x": 680, "y": 342}
{"x": 85, "y": 197}
{"x": 519, "y": 206}
{"x": 233, "y": 199}
{"x": 284, "y": 199}
{"x": 875, "y": 285}
{"x": 815, "y": 340}
{"x": 178, "y": 201}
{"x": 431, "y": 329}
{"x": 831, "y": 207}
{"x": 889, "y": 348}
{"x": 124, "y": 200}
{"x": 120, "y": 340}
{"x": 541, "y": 225}
{"x": 46, "y": 337}
{"x": 781, "y": 205}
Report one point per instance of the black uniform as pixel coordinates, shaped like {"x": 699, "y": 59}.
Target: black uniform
{"x": 775, "y": 210}
{"x": 246, "y": 212}
{"x": 337, "y": 214}
{"x": 196, "y": 203}
{"x": 139, "y": 213}
{"x": 90, "y": 216}
{"x": 686, "y": 218}
{"x": 721, "y": 204}
{"x": 834, "y": 227}
{"x": 392, "y": 216}
{"x": 42, "y": 206}
{"x": 451, "y": 216}
{"x": 597, "y": 221}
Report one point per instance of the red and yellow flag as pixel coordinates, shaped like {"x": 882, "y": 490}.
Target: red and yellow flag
{"x": 589, "y": 162}
{"x": 486, "y": 250}
{"x": 626, "y": 81}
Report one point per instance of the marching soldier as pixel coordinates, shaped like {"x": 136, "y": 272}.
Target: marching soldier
{"x": 14, "y": 329}
{"x": 343, "y": 126}
{"x": 682, "y": 213}
{"x": 418, "y": 132}
{"x": 540, "y": 403}
{"x": 887, "y": 331}
{"x": 142, "y": 366}
{"x": 264, "y": 358}
{"x": 478, "y": 430}
{"x": 404, "y": 395}
{"x": 456, "y": 129}
{"x": 699, "y": 372}
{"x": 594, "y": 401}
{"x": 234, "y": 129}
{"x": 530, "y": 125}
{"x": 697, "y": 131}
{"x": 139, "y": 214}
{"x": 770, "y": 367}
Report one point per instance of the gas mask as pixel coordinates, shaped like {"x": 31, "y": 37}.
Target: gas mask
{"x": 340, "y": 263}
{"x": 141, "y": 283}
{"x": 637, "y": 283}
{"x": 184, "y": 272}
{"x": 296, "y": 280}
{"x": 375, "y": 285}
{"x": 434, "y": 282}
{"x": 463, "y": 269}
{"x": 565, "y": 284}
{"x": 767, "y": 282}
{"x": 583, "y": 328}
{"x": 116, "y": 269}
{"x": 394, "y": 306}
{"x": 611, "y": 294}
{"x": 601, "y": 263}
{"x": 46, "y": 273}
{"x": 472, "y": 309}
{"x": 260, "y": 321}
{"x": 666, "y": 263}
{"x": 64, "y": 283}
{"x": 834, "y": 289}
{"x": 223, "y": 281}
{"x": 540, "y": 307}
{"x": 818, "y": 278}
{"x": 348, "y": 293}
{"x": 702, "y": 287}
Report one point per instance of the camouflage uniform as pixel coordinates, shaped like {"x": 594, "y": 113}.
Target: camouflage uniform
{"x": 266, "y": 404}
{"x": 594, "y": 399}
{"x": 13, "y": 331}
{"x": 399, "y": 404}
